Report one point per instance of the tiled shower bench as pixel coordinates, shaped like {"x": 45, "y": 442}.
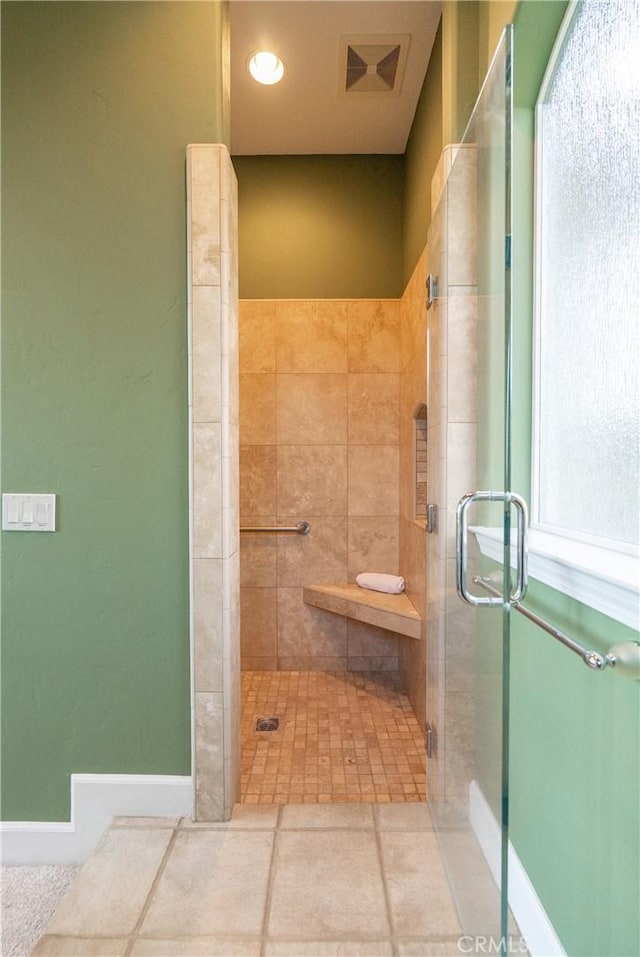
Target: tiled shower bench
{"x": 393, "y": 612}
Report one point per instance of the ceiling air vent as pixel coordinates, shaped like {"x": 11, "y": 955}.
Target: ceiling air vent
{"x": 373, "y": 64}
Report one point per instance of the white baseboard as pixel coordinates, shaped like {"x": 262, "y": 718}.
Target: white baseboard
{"x": 95, "y": 800}
{"x": 526, "y": 907}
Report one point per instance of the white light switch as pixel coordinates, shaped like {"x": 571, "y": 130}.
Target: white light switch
{"x": 28, "y": 512}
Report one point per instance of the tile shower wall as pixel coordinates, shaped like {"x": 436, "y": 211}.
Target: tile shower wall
{"x": 319, "y": 441}
{"x": 452, "y": 331}
{"x": 213, "y": 440}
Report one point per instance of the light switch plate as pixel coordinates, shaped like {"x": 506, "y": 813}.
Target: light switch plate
{"x": 28, "y": 512}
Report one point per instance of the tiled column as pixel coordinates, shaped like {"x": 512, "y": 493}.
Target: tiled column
{"x": 461, "y": 406}
{"x": 413, "y": 536}
{"x": 452, "y": 463}
{"x": 213, "y": 479}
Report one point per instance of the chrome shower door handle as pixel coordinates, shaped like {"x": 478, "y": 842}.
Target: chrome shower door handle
{"x": 462, "y": 533}
{"x": 522, "y": 552}
{"x": 509, "y": 498}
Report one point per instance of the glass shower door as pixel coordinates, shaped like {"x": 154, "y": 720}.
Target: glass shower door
{"x": 470, "y": 378}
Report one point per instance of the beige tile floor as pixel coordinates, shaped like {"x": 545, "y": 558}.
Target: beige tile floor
{"x": 344, "y": 736}
{"x": 349, "y": 880}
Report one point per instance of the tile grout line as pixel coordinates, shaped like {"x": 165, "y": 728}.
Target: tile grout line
{"x": 387, "y": 899}
{"x": 338, "y": 935}
{"x": 270, "y": 882}
{"x": 154, "y": 884}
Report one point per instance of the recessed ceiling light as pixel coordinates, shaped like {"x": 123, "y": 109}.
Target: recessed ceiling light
{"x": 266, "y": 67}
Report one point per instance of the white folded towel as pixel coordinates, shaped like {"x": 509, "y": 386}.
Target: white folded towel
{"x": 391, "y": 584}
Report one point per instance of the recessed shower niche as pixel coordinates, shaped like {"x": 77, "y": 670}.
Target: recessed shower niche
{"x": 420, "y": 451}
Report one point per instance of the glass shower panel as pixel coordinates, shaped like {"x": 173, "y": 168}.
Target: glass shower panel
{"x": 469, "y": 369}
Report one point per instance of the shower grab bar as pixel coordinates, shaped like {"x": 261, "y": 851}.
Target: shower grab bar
{"x": 302, "y": 528}
{"x": 626, "y": 655}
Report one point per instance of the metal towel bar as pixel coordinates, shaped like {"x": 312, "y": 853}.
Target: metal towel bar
{"x": 625, "y": 656}
{"x": 302, "y": 528}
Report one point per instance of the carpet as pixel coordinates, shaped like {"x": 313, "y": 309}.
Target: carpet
{"x": 28, "y": 898}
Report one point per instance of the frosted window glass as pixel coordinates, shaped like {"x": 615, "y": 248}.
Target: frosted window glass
{"x": 589, "y": 278}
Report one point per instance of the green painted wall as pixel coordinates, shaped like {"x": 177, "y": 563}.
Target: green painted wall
{"x": 460, "y": 73}
{"x": 424, "y": 147}
{"x": 471, "y": 30}
{"x": 320, "y": 226}
{"x": 99, "y": 101}
{"x": 492, "y": 18}
{"x": 575, "y": 779}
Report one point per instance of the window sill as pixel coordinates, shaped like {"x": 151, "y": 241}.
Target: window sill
{"x": 600, "y": 578}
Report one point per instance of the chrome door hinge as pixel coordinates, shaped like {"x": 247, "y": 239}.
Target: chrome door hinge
{"x": 430, "y": 739}
{"x": 432, "y": 289}
{"x": 432, "y": 518}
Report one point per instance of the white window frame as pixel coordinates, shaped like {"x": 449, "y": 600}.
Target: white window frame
{"x": 600, "y": 573}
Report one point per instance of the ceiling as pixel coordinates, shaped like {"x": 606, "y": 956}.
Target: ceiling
{"x": 309, "y": 111}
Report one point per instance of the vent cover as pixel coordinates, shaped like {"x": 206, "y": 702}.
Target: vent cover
{"x": 373, "y": 64}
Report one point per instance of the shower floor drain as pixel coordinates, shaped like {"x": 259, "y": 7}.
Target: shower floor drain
{"x": 267, "y": 724}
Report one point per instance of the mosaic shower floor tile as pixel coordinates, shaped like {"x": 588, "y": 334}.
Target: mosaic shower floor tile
{"x": 342, "y": 736}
